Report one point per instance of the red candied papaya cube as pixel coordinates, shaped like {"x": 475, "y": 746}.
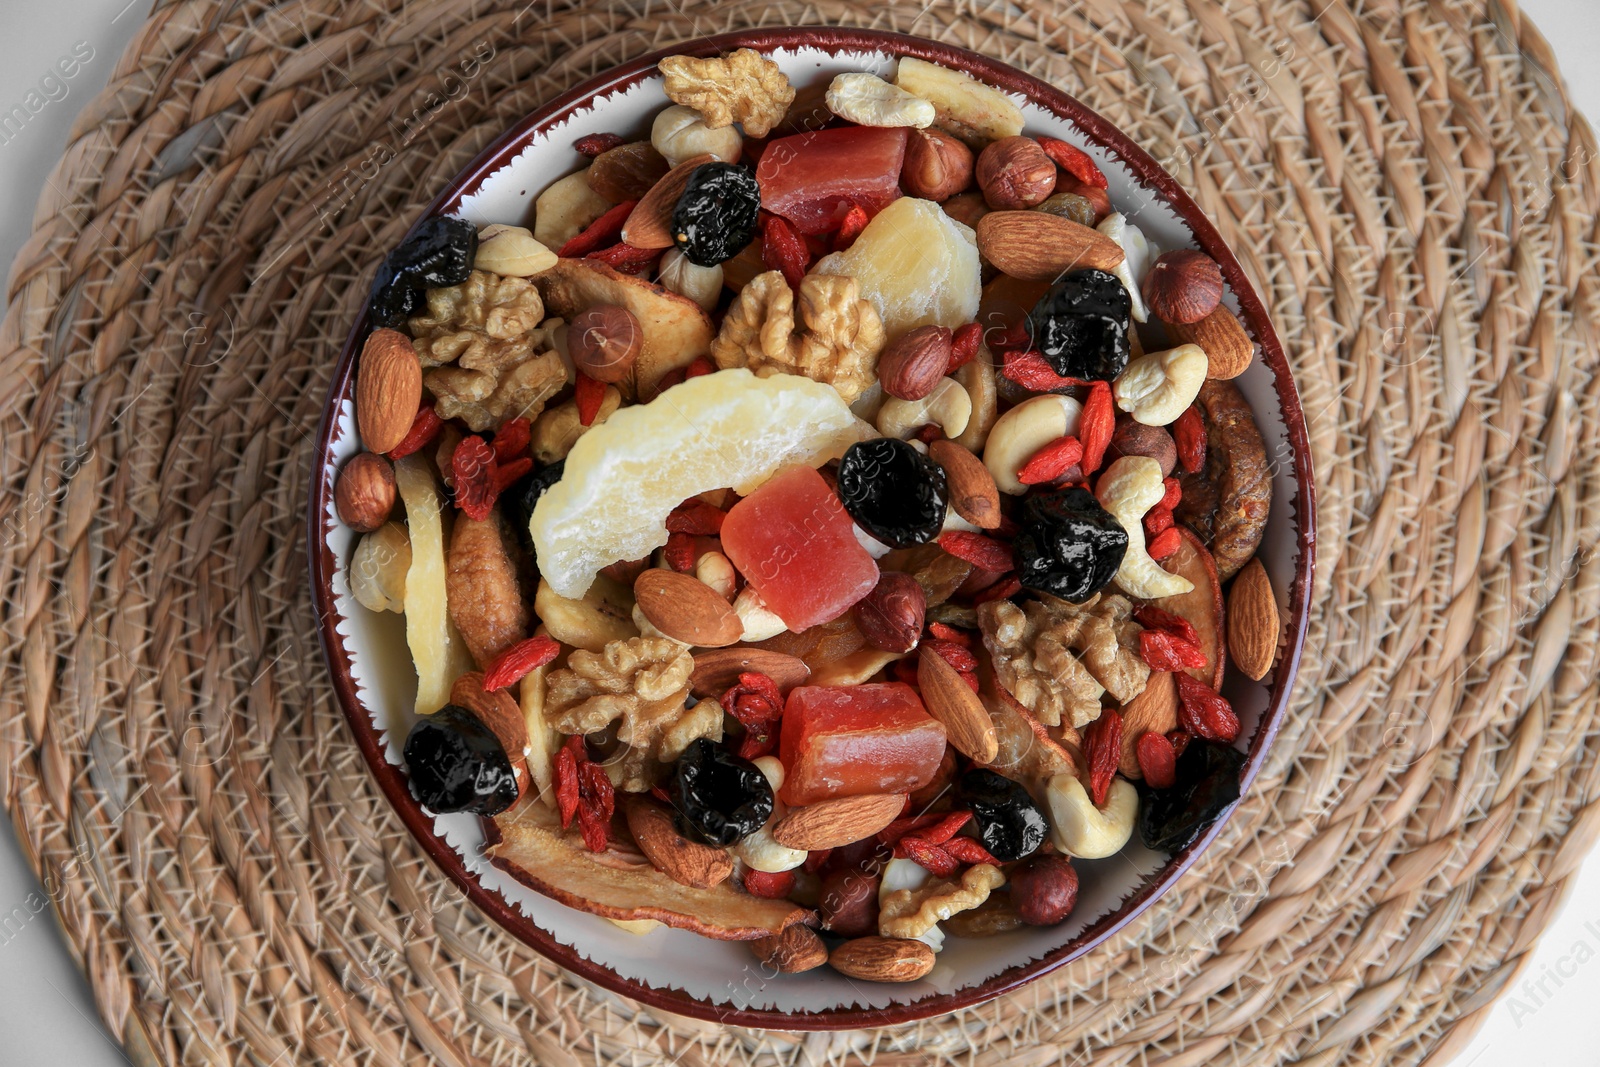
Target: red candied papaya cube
{"x": 811, "y": 179}
{"x": 791, "y": 540}
{"x": 843, "y": 741}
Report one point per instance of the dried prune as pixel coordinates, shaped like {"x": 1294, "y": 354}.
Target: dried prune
{"x": 1009, "y": 824}
{"x": 518, "y": 501}
{"x": 1207, "y": 783}
{"x": 1081, "y": 326}
{"x": 720, "y": 798}
{"x": 893, "y": 492}
{"x": 457, "y": 763}
{"x": 438, "y": 254}
{"x": 1069, "y": 546}
{"x": 716, "y": 216}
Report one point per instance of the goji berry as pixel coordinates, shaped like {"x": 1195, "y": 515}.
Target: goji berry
{"x": 910, "y": 824}
{"x": 603, "y": 231}
{"x": 1154, "y": 618}
{"x": 950, "y": 633}
{"x": 757, "y": 703}
{"x": 1102, "y": 751}
{"x": 511, "y": 439}
{"x": 958, "y": 656}
{"x": 681, "y": 552}
{"x": 1028, "y": 369}
{"x": 1205, "y": 712}
{"x": 783, "y": 249}
{"x": 964, "y": 346}
{"x": 567, "y": 781}
{"x": 1189, "y": 434}
{"x": 930, "y": 433}
{"x": 1180, "y": 741}
{"x": 1051, "y": 461}
{"x": 518, "y": 661}
{"x": 1173, "y": 494}
{"x": 589, "y": 393}
{"x": 424, "y": 428}
{"x": 943, "y": 829}
{"x": 596, "y": 807}
{"x": 1165, "y": 543}
{"x": 695, "y": 516}
{"x": 771, "y": 886}
{"x": 626, "y": 258}
{"x": 1075, "y": 161}
{"x": 474, "y": 468}
{"x": 968, "y": 850}
{"x": 855, "y": 220}
{"x": 1157, "y": 520}
{"x": 1166, "y": 651}
{"x": 1096, "y": 425}
{"x": 592, "y": 144}
{"x": 1157, "y": 764}
{"x": 1007, "y": 339}
{"x": 927, "y": 855}
{"x": 905, "y": 670}
{"x": 978, "y": 550}
{"x": 698, "y": 366}
{"x": 1004, "y": 589}
{"x": 506, "y": 474}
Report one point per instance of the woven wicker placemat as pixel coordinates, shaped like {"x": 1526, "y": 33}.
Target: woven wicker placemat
{"x": 1412, "y": 193}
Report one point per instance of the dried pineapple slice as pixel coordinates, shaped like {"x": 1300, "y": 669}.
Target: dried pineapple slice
{"x": 437, "y": 651}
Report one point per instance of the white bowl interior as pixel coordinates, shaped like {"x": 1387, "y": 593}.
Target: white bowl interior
{"x": 718, "y": 973}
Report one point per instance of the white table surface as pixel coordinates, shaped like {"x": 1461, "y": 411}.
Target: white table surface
{"x": 46, "y": 1012}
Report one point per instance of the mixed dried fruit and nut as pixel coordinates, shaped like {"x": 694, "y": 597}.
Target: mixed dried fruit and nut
{"x": 801, "y": 528}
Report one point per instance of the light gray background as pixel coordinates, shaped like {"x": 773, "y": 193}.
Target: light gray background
{"x": 46, "y": 1012}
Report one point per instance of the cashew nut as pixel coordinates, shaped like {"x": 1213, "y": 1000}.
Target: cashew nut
{"x": 1080, "y": 829}
{"x": 1022, "y": 431}
{"x": 703, "y": 285}
{"x": 557, "y": 429}
{"x": 1155, "y": 389}
{"x": 901, "y": 874}
{"x": 760, "y": 622}
{"x": 636, "y": 926}
{"x": 680, "y": 133}
{"x": 378, "y": 568}
{"x": 868, "y": 100}
{"x": 715, "y": 570}
{"x": 875, "y": 548}
{"x": 948, "y": 406}
{"x": 978, "y": 379}
{"x": 566, "y": 206}
{"x": 1136, "y": 258}
{"x": 1131, "y": 486}
{"x": 759, "y": 850}
{"x": 511, "y": 251}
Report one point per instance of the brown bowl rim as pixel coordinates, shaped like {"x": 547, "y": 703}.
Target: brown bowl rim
{"x": 1254, "y": 314}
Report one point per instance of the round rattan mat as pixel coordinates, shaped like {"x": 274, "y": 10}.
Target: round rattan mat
{"x": 1415, "y": 198}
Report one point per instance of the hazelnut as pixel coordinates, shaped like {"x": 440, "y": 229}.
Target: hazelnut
{"x": 966, "y": 208}
{"x": 890, "y": 617}
{"x": 364, "y": 493}
{"x": 848, "y": 902}
{"x": 914, "y": 362}
{"x": 1183, "y": 287}
{"x": 1014, "y": 172}
{"x": 1136, "y": 439}
{"x": 604, "y": 342}
{"x": 937, "y": 166}
{"x": 1044, "y": 889}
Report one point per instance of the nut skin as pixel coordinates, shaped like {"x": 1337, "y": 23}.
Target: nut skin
{"x": 914, "y": 362}
{"x": 1044, "y": 889}
{"x": 936, "y": 167}
{"x": 1136, "y": 439}
{"x": 364, "y": 492}
{"x": 605, "y": 341}
{"x": 1015, "y": 173}
{"x": 890, "y": 617}
{"x": 848, "y": 903}
{"x": 1183, "y": 287}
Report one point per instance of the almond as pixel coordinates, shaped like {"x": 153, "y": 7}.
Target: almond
{"x": 649, "y": 224}
{"x": 363, "y": 495}
{"x": 1253, "y": 621}
{"x": 796, "y": 949}
{"x": 1036, "y": 246}
{"x": 498, "y": 711}
{"x": 1183, "y": 286}
{"x": 973, "y": 493}
{"x": 951, "y": 700}
{"x": 1156, "y": 708}
{"x": 882, "y": 959}
{"x": 838, "y": 821}
{"x": 686, "y": 609}
{"x": 388, "y": 389}
{"x": 1228, "y": 348}
{"x": 914, "y": 362}
{"x": 718, "y": 669}
{"x": 686, "y": 862}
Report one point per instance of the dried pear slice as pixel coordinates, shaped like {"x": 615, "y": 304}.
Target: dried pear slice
{"x": 437, "y": 650}
{"x": 527, "y": 843}
{"x": 975, "y": 112}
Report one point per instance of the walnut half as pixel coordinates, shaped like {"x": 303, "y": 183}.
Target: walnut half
{"x": 836, "y": 339}
{"x": 1059, "y": 658}
{"x": 743, "y": 86}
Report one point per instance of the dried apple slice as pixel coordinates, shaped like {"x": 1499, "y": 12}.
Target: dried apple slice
{"x": 1202, "y": 605}
{"x": 527, "y": 843}
{"x": 675, "y": 329}
{"x": 437, "y": 650}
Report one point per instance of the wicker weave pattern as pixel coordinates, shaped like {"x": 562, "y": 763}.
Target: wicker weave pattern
{"x": 1411, "y": 192}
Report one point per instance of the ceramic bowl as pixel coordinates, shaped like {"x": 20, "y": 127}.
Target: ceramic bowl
{"x": 674, "y": 970}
